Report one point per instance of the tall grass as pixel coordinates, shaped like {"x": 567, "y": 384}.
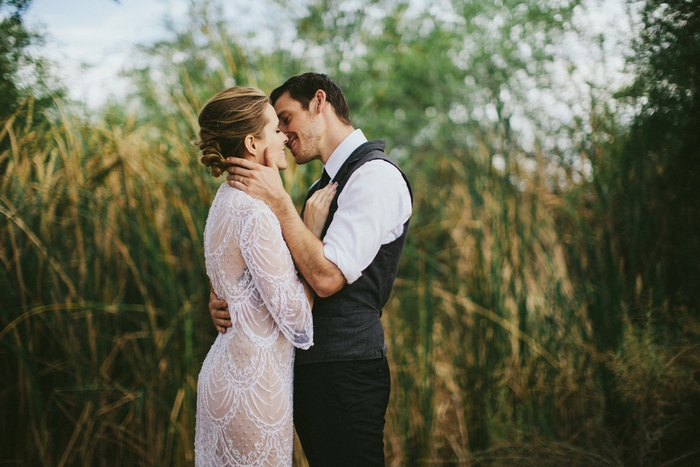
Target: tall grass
{"x": 102, "y": 280}
{"x": 489, "y": 338}
{"x": 503, "y": 349}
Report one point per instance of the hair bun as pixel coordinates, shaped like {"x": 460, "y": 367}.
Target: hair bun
{"x": 212, "y": 157}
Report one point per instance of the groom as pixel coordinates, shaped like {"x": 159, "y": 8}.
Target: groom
{"x": 341, "y": 384}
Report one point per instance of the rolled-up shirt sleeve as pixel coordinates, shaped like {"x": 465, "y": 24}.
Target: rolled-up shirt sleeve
{"x": 372, "y": 209}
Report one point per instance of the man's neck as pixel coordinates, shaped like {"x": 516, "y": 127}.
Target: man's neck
{"x": 335, "y": 135}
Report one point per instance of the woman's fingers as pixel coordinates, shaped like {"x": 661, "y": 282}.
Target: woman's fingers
{"x": 317, "y": 207}
{"x": 328, "y": 192}
{"x": 322, "y": 198}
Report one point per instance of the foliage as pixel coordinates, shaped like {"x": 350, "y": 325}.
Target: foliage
{"x": 643, "y": 284}
{"x": 24, "y": 78}
{"x": 657, "y": 172}
{"x": 545, "y": 311}
{"x": 14, "y": 39}
{"x": 101, "y": 280}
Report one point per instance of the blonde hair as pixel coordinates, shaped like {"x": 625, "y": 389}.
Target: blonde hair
{"x": 226, "y": 120}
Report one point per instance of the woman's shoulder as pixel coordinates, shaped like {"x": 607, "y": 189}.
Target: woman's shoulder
{"x": 238, "y": 202}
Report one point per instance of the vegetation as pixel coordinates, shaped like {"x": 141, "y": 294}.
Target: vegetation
{"x": 546, "y": 310}
{"x": 13, "y": 43}
{"x": 25, "y": 80}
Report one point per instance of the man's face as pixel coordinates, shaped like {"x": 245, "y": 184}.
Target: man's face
{"x": 301, "y": 127}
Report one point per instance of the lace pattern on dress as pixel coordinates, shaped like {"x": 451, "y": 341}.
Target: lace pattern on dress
{"x": 244, "y": 399}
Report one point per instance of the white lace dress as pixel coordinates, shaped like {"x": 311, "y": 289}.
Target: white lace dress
{"x": 244, "y": 391}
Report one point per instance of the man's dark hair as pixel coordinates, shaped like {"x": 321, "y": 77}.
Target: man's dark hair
{"x": 302, "y": 88}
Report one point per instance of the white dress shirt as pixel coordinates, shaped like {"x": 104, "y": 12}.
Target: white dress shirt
{"x": 372, "y": 209}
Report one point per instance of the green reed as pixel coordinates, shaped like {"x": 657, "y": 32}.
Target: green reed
{"x": 105, "y": 322}
{"x": 488, "y": 340}
{"x": 504, "y": 347}
{"x": 102, "y": 276}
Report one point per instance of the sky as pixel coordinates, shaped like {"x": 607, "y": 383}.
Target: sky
{"x": 92, "y": 40}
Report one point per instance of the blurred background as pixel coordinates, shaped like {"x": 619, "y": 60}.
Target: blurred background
{"x": 547, "y": 308}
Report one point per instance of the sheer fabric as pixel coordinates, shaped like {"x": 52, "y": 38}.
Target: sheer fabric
{"x": 244, "y": 391}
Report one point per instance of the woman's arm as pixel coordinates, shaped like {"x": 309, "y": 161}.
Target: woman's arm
{"x": 272, "y": 269}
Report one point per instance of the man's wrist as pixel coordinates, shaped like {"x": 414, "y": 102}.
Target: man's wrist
{"x": 281, "y": 205}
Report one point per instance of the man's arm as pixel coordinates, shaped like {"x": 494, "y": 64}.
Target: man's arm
{"x": 307, "y": 250}
{"x": 263, "y": 182}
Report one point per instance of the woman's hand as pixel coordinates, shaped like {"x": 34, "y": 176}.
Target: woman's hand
{"x": 316, "y": 210}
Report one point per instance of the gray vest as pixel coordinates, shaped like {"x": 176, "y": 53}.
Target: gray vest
{"x": 347, "y": 324}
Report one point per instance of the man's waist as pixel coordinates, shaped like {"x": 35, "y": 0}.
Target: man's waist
{"x": 348, "y": 337}
{"x": 319, "y": 354}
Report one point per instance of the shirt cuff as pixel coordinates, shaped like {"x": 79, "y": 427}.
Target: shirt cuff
{"x": 347, "y": 266}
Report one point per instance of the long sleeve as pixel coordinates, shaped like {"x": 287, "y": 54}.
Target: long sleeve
{"x": 244, "y": 390}
{"x": 270, "y": 263}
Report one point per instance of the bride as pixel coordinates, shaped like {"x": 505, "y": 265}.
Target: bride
{"x": 244, "y": 391}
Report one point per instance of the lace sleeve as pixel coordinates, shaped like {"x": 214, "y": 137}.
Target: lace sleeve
{"x": 270, "y": 264}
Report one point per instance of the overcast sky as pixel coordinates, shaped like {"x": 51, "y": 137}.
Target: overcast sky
{"x": 100, "y": 34}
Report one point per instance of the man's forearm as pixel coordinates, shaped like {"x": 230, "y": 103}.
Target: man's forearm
{"x": 307, "y": 251}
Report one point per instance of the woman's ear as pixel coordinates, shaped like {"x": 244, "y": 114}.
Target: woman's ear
{"x": 250, "y": 144}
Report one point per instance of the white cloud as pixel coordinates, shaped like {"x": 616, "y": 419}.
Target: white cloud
{"x": 92, "y": 40}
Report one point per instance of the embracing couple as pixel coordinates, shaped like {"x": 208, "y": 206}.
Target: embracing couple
{"x": 316, "y": 283}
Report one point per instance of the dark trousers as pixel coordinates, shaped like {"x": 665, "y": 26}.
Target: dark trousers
{"x": 339, "y": 410}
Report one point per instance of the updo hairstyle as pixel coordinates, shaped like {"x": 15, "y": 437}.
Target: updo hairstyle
{"x": 226, "y": 120}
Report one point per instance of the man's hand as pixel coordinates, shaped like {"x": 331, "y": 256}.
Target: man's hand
{"x": 219, "y": 313}
{"x": 262, "y": 182}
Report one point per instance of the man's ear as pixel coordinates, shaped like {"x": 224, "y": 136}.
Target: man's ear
{"x": 250, "y": 144}
{"x": 319, "y": 100}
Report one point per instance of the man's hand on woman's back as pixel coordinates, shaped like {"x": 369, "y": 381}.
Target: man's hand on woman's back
{"x": 219, "y": 313}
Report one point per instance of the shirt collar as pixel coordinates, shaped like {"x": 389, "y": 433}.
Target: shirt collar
{"x": 343, "y": 151}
